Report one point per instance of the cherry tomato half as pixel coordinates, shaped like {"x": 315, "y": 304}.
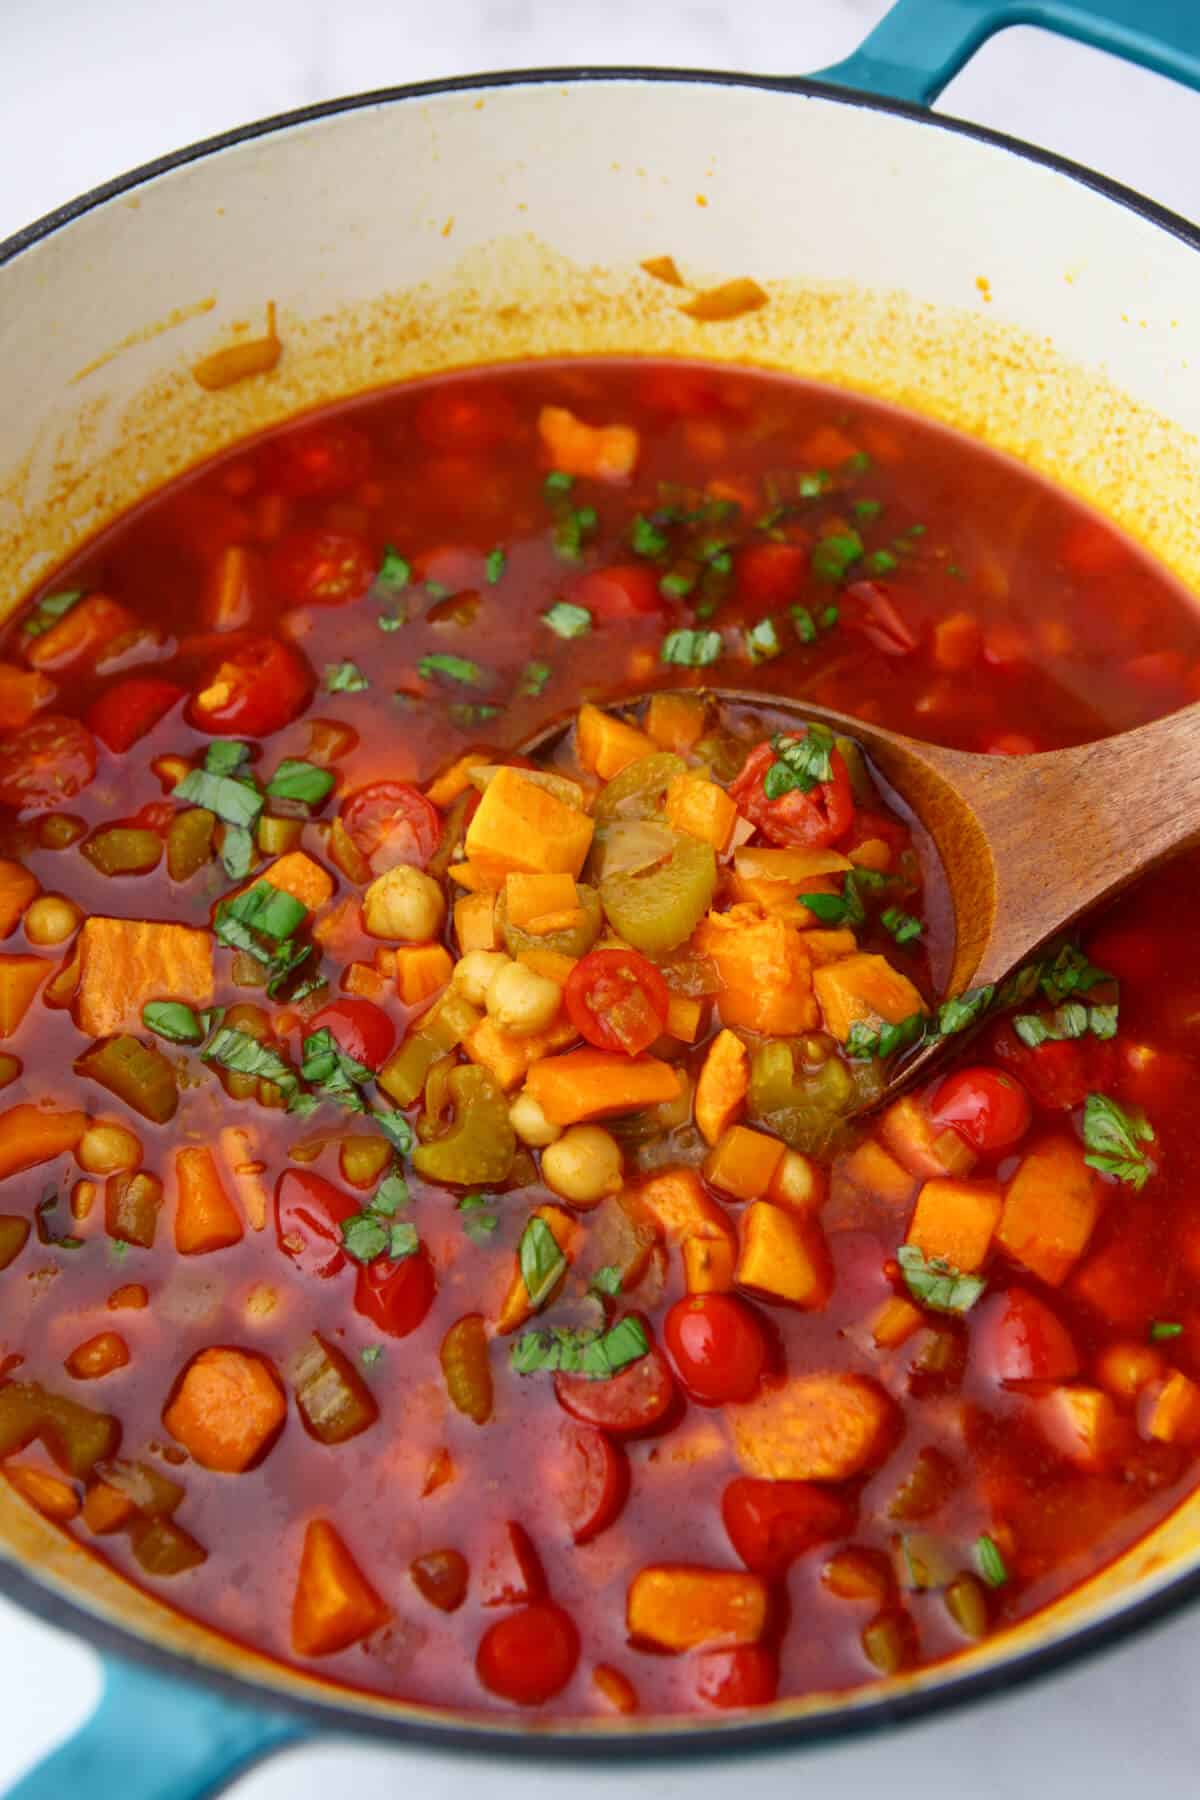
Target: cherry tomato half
{"x": 870, "y": 609}
{"x": 391, "y": 822}
{"x": 313, "y": 567}
{"x": 744, "y": 1676}
{"x": 360, "y": 1030}
{"x": 617, "y": 1000}
{"x": 592, "y": 1477}
{"x": 626, "y": 591}
{"x": 633, "y": 1400}
{"x": 814, "y": 820}
{"x": 717, "y": 1347}
{"x": 1016, "y": 1337}
{"x": 309, "y": 1212}
{"x": 50, "y": 760}
{"x": 317, "y": 460}
{"x": 1058, "y": 1076}
{"x": 771, "y": 1523}
{"x": 989, "y": 1109}
{"x": 258, "y": 687}
{"x": 530, "y": 1656}
{"x": 131, "y": 709}
{"x": 395, "y": 1296}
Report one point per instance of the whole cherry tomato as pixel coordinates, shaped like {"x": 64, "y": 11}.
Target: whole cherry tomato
{"x": 1016, "y": 1337}
{"x": 814, "y": 820}
{"x": 717, "y": 1347}
{"x": 50, "y": 760}
{"x": 391, "y": 822}
{"x": 359, "y": 1028}
{"x": 309, "y": 1213}
{"x": 617, "y": 1000}
{"x": 131, "y": 709}
{"x": 530, "y": 1656}
{"x": 626, "y": 591}
{"x": 986, "y": 1107}
{"x": 395, "y": 1296}
{"x": 315, "y": 567}
{"x": 771, "y": 1523}
{"x": 258, "y": 687}
{"x": 315, "y": 461}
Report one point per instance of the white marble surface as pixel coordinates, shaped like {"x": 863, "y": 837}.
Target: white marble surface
{"x": 89, "y": 88}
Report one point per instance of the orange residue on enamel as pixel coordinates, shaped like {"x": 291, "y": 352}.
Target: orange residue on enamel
{"x": 237, "y": 362}
{"x": 984, "y": 286}
{"x": 178, "y": 315}
{"x": 701, "y": 199}
{"x": 448, "y": 227}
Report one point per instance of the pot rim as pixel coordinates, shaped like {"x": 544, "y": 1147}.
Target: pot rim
{"x": 484, "y": 1734}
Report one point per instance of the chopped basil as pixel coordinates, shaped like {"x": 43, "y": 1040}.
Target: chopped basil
{"x": 861, "y": 1042}
{"x": 1164, "y": 1329}
{"x": 466, "y": 714}
{"x": 866, "y": 509}
{"x": 395, "y": 571}
{"x": 829, "y": 618}
{"x": 599, "y": 1355}
{"x": 677, "y": 584}
{"x": 391, "y": 1196}
{"x": 989, "y": 1562}
{"x": 1112, "y": 1136}
{"x": 172, "y": 1020}
{"x": 572, "y": 529}
{"x": 801, "y": 762}
{"x": 370, "y": 1354}
{"x": 226, "y": 756}
{"x": 882, "y": 562}
{"x": 495, "y": 565}
{"x": 645, "y": 539}
{"x": 235, "y": 802}
{"x": 542, "y": 1262}
{"x": 847, "y": 907}
{"x": 903, "y": 926}
{"x": 1069, "y": 973}
{"x": 557, "y": 482}
{"x": 50, "y": 610}
{"x": 802, "y": 619}
{"x": 364, "y": 1238}
{"x": 936, "y": 1283}
{"x": 692, "y": 649}
{"x": 957, "y": 1014}
{"x": 264, "y": 912}
{"x": 344, "y": 678}
{"x": 1070, "y": 1020}
{"x": 833, "y": 556}
{"x": 392, "y": 621}
{"x": 454, "y": 668}
{"x": 762, "y": 641}
{"x": 857, "y": 464}
{"x": 396, "y": 1128}
{"x": 298, "y": 780}
{"x": 403, "y": 1241}
{"x": 242, "y": 1054}
{"x": 567, "y": 620}
{"x": 606, "y": 1281}
{"x": 478, "y": 1221}
{"x": 533, "y": 680}
{"x": 338, "y": 1076}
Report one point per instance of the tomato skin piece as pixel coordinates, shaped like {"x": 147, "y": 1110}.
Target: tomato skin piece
{"x": 625, "y": 591}
{"x": 50, "y": 760}
{"x": 391, "y": 822}
{"x": 771, "y": 1523}
{"x": 988, "y": 1108}
{"x": 309, "y": 1212}
{"x": 530, "y": 1656}
{"x": 131, "y": 709}
{"x": 868, "y": 608}
{"x": 632, "y": 1401}
{"x": 1058, "y": 1076}
{"x": 717, "y": 1347}
{"x": 257, "y": 687}
{"x": 617, "y": 1000}
{"x": 813, "y": 821}
{"x": 770, "y": 575}
{"x": 360, "y": 1029}
{"x": 747, "y": 1675}
{"x": 1017, "y": 1337}
{"x": 316, "y": 461}
{"x": 396, "y": 1296}
{"x": 314, "y": 567}
{"x": 511, "y": 1574}
{"x": 592, "y": 1475}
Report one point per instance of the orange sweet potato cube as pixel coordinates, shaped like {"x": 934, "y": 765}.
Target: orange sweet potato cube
{"x": 527, "y": 897}
{"x": 421, "y": 969}
{"x": 676, "y": 1606}
{"x": 1082, "y": 1425}
{"x": 1170, "y": 1410}
{"x": 743, "y": 1162}
{"x": 784, "y": 1257}
{"x": 298, "y": 875}
{"x": 519, "y": 826}
{"x": 607, "y": 745}
{"x": 956, "y": 1221}
{"x": 798, "y": 1182}
{"x": 697, "y": 806}
{"x": 766, "y": 977}
{"x": 872, "y": 1168}
{"x": 475, "y": 922}
{"x": 125, "y": 962}
{"x": 863, "y": 989}
{"x": 816, "y": 1427}
{"x": 1050, "y": 1210}
{"x": 20, "y": 979}
{"x": 722, "y": 1085}
{"x": 919, "y": 1145}
{"x": 335, "y": 1605}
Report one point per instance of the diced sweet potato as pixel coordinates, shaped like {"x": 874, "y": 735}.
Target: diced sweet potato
{"x": 567, "y": 1234}
{"x": 815, "y": 1428}
{"x": 125, "y": 962}
{"x": 521, "y": 827}
{"x": 684, "y": 1013}
{"x": 205, "y": 1217}
{"x": 453, "y": 782}
{"x": 606, "y": 745}
{"x": 676, "y": 1606}
{"x": 335, "y": 1605}
{"x": 20, "y": 979}
{"x": 918, "y": 1144}
{"x": 871, "y": 1168}
{"x": 421, "y": 969}
{"x": 895, "y": 1321}
{"x": 1082, "y": 1425}
{"x": 675, "y": 1199}
{"x": 97, "y": 1356}
{"x": 956, "y": 1220}
{"x": 709, "y": 1263}
{"x": 1050, "y": 1210}
{"x": 722, "y": 1086}
{"x": 475, "y": 922}
{"x": 227, "y": 1409}
{"x": 105, "y": 1509}
{"x": 17, "y": 889}
{"x": 1169, "y": 1410}
{"x": 676, "y": 721}
{"x": 298, "y": 875}
{"x": 22, "y": 693}
{"x": 798, "y": 1182}
{"x": 508, "y": 1056}
{"x": 30, "y": 1135}
{"x": 784, "y": 1257}
{"x": 596, "y": 1084}
{"x": 828, "y": 946}
{"x": 863, "y": 989}
{"x": 766, "y": 978}
{"x": 697, "y": 806}
{"x": 527, "y": 896}
{"x": 743, "y": 1162}
{"x": 603, "y": 452}
{"x": 52, "y": 1496}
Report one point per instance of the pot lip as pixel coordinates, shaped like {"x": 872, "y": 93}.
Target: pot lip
{"x": 482, "y": 1736}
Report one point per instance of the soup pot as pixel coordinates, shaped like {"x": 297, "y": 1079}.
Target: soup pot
{"x": 980, "y": 282}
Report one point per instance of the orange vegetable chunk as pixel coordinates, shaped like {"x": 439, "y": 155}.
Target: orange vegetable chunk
{"x": 335, "y": 1605}
{"x": 819, "y": 1427}
{"x": 516, "y": 1307}
{"x": 29, "y": 1136}
{"x": 676, "y": 721}
{"x": 17, "y": 888}
{"x": 125, "y": 962}
{"x": 764, "y": 970}
{"x": 205, "y": 1217}
{"x": 722, "y": 1087}
{"x": 1082, "y": 1424}
{"x": 527, "y": 897}
{"x": 98, "y": 1357}
{"x": 227, "y": 1409}
{"x": 744, "y": 1162}
{"x": 956, "y": 1220}
{"x": 919, "y": 1146}
{"x": 607, "y": 745}
{"x": 519, "y": 826}
{"x": 22, "y": 693}
{"x": 54, "y": 1498}
{"x": 869, "y": 1166}
{"x": 603, "y": 452}
{"x": 784, "y": 1257}
{"x": 696, "y": 805}
{"x": 421, "y": 969}
{"x": 677, "y": 1606}
{"x": 594, "y": 1084}
{"x": 80, "y": 635}
{"x": 1170, "y": 1410}
{"x": 1050, "y": 1210}
{"x": 475, "y": 922}
{"x": 298, "y": 875}
{"x": 863, "y": 990}
{"x": 20, "y": 979}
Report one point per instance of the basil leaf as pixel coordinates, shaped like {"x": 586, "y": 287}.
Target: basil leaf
{"x": 172, "y": 1020}
{"x": 607, "y": 1280}
{"x": 557, "y": 482}
{"x": 226, "y": 756}
{"x": 691, "y": 649}
{"x": 533, "y": 680}
{"x": 364, "y": 1238}
{"x": 370, "y": 1354}
{"x": 495, "y": 565}
{"x": 989, "y": 1561}
{"x": 762, "y": 641}
{"x": 542, "y": 1262}
{"x": 567, "y": 620}
{"x": 454, "y": 668}
{"x": 1070, "y": 973}
{"x": 1112, "y": 1137}
{"x": 802, "y": 762}
{"x": 50, "y": 610}
{"x": 268, "y": 910}
{"x": 861, "y": 1042}
{"x": 242, "y": 1054}
{"x": 297, "y": 780}
{"x": 598, "y": 1355}
{"x": 833, "y": 556}
{"x": 645, "y": 539}
{"x": 802, "y": 619}
{"x": 234, "y": 802}
{"x": 390, "y": 1197}
{"x": 477, "y": 1221}
{"x": 403, "y": 1241}
{"x": 956, "y": 1015}
{"x": 866, "y": 509}
{"x": 903, "y": 926}
{"x": 894, "y": 1038}
{"x": 1164, "y": 1329}
{"x": 831, "y": 909}
{"x": 571, "y": 530}
{"x": 237, "y": 852}
{"x": 344, "y": 678}
{"x": 326, "y": 1066}
{"x": 396, "y": 1128}
{"x": 936, "y": 1283}
{"x": 466, "y": 715}
{"x": 395, "y": 571}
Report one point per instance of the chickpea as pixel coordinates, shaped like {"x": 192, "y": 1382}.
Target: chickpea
{"x": 1125, "y": 1368}
{"x": 583, "y": 1165}
{"x": 531, "y": 1124}
{"x": 475, "y": 973}
{"x": 522, "y": 1002}
{"x": 51, "y": 919}
{"x": 105, "y": 1149}
{"x": 405, "y": 904}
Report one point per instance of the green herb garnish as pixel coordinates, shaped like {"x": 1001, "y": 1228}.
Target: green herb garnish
{"x": 395, "y": 571}
{"x": 567, "y": 620}
{"x": 542, "y": 1262}
{"x": 557, "y": 482}
{"x": 454, "y": 668}
{"x": 242, "y": 1054}
{"x": 691, "y": 649}
{"x": 989, "y": 1561}
{"x": 338, "y": 1076}
{"x": 496, "y": 565}
{"x": 50, "y": 610}
{"x": 172, "y": 1020}
{"x": 936, "y": 1283}
{"x": 478, "y": 1220}
{"x": 1164, "y": 1329}
{"x": 298, "y": 780}
{"x": 533, "y": 679}
{"x": 833, "y": 556}
{"x": 903, "y": 926}
{"x": 607, "y": 1281}
{"x": 344, "y": 678}
{"x": 762, "y": 641}
{"x": 1112, "y": 1136}
{"x": 645, "y": 539}
{"x": 802, "y": 762}
{"x": 598, "y": 1354}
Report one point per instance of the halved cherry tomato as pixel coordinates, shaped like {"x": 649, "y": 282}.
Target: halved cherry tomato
{"x": 317, "y": 460}
{"x": 452, "y": 566}
{"x": 633, "y": 1400}
{"x": 395, "y": 1296}
{"x": 50, "y": 760}
{"x": 626, "y": 591}
{"x": 131, "y": 709}
{"x": 511, "y": 1572}
{"x": 617, "y": 1000}
{"x": 313, "y": 567}
{"x": 717, "y": 1347}
{"x": 747, "y": 1675}
{"x": 309, "y": 1212}
{"x": 869, "y": 608}
{"x": 391, "y": 822}
{"x": 592, "y": 1477}
{"x": 987, "y": 1108}
{"x": 770, "y": 575}
{"x": 530, "y": 1656}
{"x": 814, "y": 820}
{"x": 1016, "y": 1337}
{"x": 258, "y": 687}
{"x": 360, "y": 1029}
{"x": 771, "y": 1523}
{"x": 1058, "y": 1076}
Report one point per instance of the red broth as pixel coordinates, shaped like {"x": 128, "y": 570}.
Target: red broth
{"x": 402, "y": 572}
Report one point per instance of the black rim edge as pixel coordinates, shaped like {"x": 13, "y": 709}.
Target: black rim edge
{"x": 485, "y": 1738}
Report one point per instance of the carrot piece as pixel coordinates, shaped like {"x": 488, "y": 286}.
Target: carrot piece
{"x": 919, "y": 1146}
{"x": 97, "y": 1356}
{"x": 684, "y": 1013}
{"x": 607, "y": 745}
{"x": 29, "y": 1136}
{"x": 1082, "y": 1424}
{"x": 567, "y": 1234}
{"x": 677, "y": 1606}
{"x": 743, "y": 1162}
{"x": 527, "y": 896}
{"x": 337, "y": 929}
{"x": 23, "y": 692}
{"x": 594, "y": 1084}
{"x": 871, "y": 1167}
{"x": 227, "y": 1408}
{"x": 421, "y": 970}
{"x": 239, "y": 1153}
{"x": 80, "y": 635}
{"x": 1170, "y": 1410}
{"x": 335, "y": 1605}
{"x": 54, "y": 1498}
{"x": 784, "y": 1257}
{"x": 475, "y": 922}
{"x": 615, "y": 1688}
{"x": 550, "y": 963}
{"x": 816, "y": 1428}
{"x": 1050, "y": 1210}
{"x": 676, "y": 721}
{"x": 722, "y": 1087}
{"x": 765, "y": 974}
{"x": 17, "y": 889}
{"x": 864, "y": 989}
{"x": 603, "y": 452}
{"x": 678, "y": 1204}
{"x": 455, "y": 781}
{"x": 105, "y": 1510}
{"x": 697, "y": 806}
{"x": 797, "y": 1182}
{"x": 509, "y": 1057}
{"x": 956, "y": 1220}
{"x": 828, "y": 446}
{"x": 60, "y": 991}
{"x": 895, "y": 1321}
{"x": 125, "y": 962}
{"x": 20, "y": 979}
{"x": 519, "y": 826}
{"x": 708, "y": 1264}
{"x": 305, "y": 880}
{"x": 132, "y": 1297}
{"x": 205, "y": 1217}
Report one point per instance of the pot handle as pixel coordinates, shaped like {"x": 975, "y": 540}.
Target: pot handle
{"x": 154, "y": 1737}
{"x": 921, "y": 45}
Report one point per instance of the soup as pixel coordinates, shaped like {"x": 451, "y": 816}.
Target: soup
{"x": 441, "y": 1243}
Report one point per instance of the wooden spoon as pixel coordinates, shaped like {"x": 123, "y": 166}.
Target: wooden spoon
{"x": 1027, "y": 843}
